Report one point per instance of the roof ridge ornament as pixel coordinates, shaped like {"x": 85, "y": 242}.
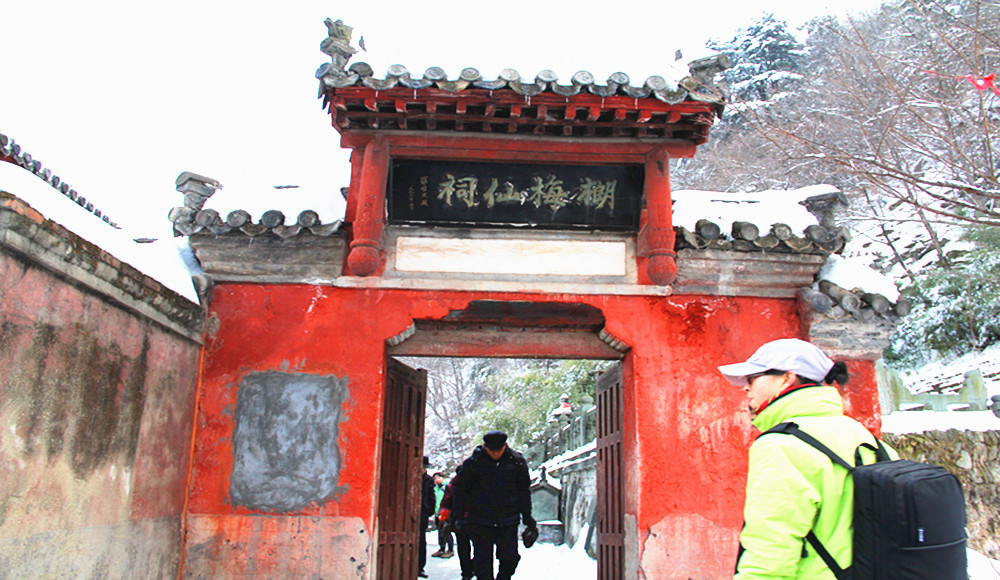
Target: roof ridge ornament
{"x": 338, "y": 46}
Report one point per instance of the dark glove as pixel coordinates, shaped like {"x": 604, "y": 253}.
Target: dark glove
{"x": 529, "y": 535}
{"x": 529, "y": 522}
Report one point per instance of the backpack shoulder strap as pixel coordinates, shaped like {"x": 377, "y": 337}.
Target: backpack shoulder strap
{"x": 821, "y": 551}
{"x": 790, "y": 428}
{"x": 793, "y": 429}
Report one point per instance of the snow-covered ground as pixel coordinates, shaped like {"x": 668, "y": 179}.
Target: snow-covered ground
{"x": 983, "y": 568}
{"x": 541, "y": 561}
{"x": 920, "y": 421}
{"x": 546, "y": 562}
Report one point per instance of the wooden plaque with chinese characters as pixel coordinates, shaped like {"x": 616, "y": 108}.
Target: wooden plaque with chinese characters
{"x": 600, "y": 197}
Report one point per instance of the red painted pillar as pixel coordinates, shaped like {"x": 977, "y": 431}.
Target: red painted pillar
{"x": 366, "y": 247}
{"x": 357, "y": 163}
{"x": 660, "y": 237}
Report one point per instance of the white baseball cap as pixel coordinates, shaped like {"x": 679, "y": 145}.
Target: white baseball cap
{"x": 787, "y": 354}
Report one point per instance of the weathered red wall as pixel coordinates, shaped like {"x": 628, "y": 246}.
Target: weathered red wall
{"x": 96, "y": 406}
{"x": 686, "y": 441}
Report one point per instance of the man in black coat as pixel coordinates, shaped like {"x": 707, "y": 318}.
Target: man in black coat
{"x": 492, "y": 494}
{"x": 427, "y": 501}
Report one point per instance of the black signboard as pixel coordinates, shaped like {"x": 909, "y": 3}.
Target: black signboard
{"x": 496, "y": 194}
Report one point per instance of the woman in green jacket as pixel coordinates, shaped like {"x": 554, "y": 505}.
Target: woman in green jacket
{"x": 792, "y": 488}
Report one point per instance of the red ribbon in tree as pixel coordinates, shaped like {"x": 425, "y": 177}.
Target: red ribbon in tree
{"x": 981, "y": 83}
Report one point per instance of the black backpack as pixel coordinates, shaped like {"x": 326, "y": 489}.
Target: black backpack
{"x": 909, "y": 517}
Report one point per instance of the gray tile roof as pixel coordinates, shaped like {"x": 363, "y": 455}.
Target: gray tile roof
{"x": 698, "y": 86}
{"x": 193, "y": 218}
{"x": 680, "y": 107}
{"x": 10, "y": 151}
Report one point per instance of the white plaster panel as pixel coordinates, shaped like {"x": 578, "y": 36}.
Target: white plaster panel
{"x": 511, "y": 256}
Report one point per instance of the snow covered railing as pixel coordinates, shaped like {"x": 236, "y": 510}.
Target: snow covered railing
{"x": 948, "y": 379}
{"x": 568, "y": 459}
{"x": 577, "y": 433}
{"x": 946, "y": 391}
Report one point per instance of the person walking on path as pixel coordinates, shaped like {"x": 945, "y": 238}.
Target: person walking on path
{"x": 792, "y": 488}
{"x": 426, "y": 511}
{"x": 492, "y": 495}
{"x": 446, "y": 546}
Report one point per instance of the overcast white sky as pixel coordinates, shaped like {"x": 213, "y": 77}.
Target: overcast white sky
{"x": 118, "y": 98}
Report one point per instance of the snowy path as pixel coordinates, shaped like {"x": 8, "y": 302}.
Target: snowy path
{"x": 541, "y": 561}
{"x": 545, "y": 562}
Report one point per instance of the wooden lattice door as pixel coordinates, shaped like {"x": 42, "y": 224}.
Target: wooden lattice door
{"x": 610, "y": 481}
{"x": 399, "y": 486}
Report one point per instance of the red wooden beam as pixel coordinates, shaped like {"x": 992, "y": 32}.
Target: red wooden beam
{"x": 505, "y": 97}
{"x": 420, "y": 145}
{"x": 533, "y": 343}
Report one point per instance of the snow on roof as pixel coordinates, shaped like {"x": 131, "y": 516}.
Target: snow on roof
{"x": 761, "y": 208}
{"x": 852, "y": 273}
{"x": 161, "y": 261}
{"x": 764, "y": 209}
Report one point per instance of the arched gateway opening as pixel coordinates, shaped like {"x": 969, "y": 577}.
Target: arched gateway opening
{"x": 499, "y": 329}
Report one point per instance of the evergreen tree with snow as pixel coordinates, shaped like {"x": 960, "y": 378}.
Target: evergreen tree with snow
{"x": 766, "y": 63}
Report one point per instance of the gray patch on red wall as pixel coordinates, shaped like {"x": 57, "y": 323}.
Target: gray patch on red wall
{"x": 285, "y": 440}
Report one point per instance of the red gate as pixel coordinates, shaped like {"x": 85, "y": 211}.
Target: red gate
{"x": 610, "y": 480}
{"x": 399, "y": 487}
